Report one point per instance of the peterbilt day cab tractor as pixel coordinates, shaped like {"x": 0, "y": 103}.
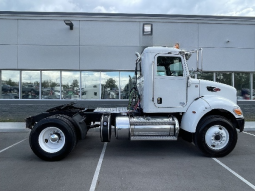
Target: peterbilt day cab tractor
{"x": 164, "y": 104}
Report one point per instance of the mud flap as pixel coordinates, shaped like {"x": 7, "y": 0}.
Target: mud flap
{"x": 80, "y": 122}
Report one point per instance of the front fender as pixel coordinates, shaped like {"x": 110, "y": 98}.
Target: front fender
{"x": 202, "y": 106}
{"x": 217, "y": 102}
{"x": 197, "y": 109}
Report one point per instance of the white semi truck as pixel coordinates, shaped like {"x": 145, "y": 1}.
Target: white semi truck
{"x": 165, "y": 103}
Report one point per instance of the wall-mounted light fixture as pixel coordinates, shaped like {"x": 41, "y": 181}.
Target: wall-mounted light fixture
{"x": 69, "y": 23}
{"x": 147, "y": 29}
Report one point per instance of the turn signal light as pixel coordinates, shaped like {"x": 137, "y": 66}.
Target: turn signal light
{"x": 238, "y": 111}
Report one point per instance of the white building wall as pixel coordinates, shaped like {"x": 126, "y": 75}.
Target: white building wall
{"x": 40, "y": 41}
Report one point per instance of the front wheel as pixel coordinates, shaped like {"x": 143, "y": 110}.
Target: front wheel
{"x": 52, "y": 138}
{"x": 215, "y": 136}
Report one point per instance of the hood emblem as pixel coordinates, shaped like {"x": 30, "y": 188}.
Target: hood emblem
{"x": 213, "y": 89}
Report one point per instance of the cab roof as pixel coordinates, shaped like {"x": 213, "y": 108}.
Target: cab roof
{"x": 161, "y": 49}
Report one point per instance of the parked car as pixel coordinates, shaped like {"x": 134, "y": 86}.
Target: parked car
{"x": 9, "y": 96}
{"x": 26, "y": 89}
{"x": 6, "y": 88}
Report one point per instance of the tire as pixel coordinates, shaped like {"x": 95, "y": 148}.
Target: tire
{"x": 215, "y": 136}
{"x": 71, "y": 123}
{"x": 52, "y": 138}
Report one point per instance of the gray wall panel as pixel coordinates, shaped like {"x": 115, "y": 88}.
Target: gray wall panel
{"x": 192, "y": 62}
{"x": 47, "y": 32}
{"x": 109, "y": 33}
{"x": 167, "y": 34}
{"x": 8, "y": 32}
{"x": 218, "y": 35}
{"x": 228, "y": 59}
{"x": 108, "y": 58}
{"x": 48, "y": 57}
{"x": 8, "y": 57}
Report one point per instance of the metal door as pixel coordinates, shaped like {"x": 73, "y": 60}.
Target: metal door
{"x": 170, "y": 82}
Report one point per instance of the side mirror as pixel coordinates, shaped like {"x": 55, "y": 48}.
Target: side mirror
{"x": 187, "y": 55}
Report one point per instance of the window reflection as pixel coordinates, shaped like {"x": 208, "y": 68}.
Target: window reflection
{"x": 205, "y": 76}
{"x": 30, "y": 84}
{"x": 95, "y": 85}
{"x": 225, "y": 78}
{"x": 71, "y": 85}
{"x": 50, "y": 85}
{"x": 90, "y": 85}
{"x": 9, "y": 84}
{"x": 127, "y": 80}
{"x": 242, "y": 85}
{"x": 110, "y": 85}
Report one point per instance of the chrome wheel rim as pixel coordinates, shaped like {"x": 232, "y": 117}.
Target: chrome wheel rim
{"x": 51, "y": 139}
{"x": 216, "y": 137}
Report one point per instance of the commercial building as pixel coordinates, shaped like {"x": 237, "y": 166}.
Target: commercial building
{"x": 47, "y": 59}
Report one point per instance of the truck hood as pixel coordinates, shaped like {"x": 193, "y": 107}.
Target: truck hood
{"x": 210, "y": 88}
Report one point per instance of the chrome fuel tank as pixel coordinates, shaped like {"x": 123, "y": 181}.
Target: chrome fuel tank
{"x": 147, "y": 128}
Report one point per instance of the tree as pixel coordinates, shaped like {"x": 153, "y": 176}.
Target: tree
{"x": 53, "y": 84}
{"x": 111, "y": 83}
{"x": 225, "y": 78}
{"x": 11, "y": 83}
{"x": 45, "y": 84}
{"x": 75, "y": 84}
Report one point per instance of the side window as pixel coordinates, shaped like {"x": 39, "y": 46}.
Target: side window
{"x": 169, "y": 66}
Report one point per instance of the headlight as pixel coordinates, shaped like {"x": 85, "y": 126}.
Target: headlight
{"x": 238, "y": 111}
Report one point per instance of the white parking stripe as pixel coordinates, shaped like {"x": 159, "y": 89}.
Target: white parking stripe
{"x": 95, "y": 178}
{"x": 249, "y": 133}
{"x": 234, "y": 173}
{"x": 12, "y": 145}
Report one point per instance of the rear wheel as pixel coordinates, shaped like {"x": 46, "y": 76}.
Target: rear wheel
{"x": 52, "y": 138}
{"x": 215, "y": 136}
{"x": 71, "y": 123}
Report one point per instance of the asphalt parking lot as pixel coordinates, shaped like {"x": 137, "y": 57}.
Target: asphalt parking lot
{"x": 124, "y": 165}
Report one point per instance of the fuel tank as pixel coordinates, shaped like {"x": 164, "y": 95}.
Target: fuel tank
{"x": 147, "y": 128}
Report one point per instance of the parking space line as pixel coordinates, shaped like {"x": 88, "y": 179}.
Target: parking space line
{"x": 249, "y": 133}
{"x": 95, "y": 178}
{"x": 12, "y": 145}
{"x": 234, "y": 173}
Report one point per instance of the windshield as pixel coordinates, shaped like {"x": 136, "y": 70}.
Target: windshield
{"x": 169, "y": 66}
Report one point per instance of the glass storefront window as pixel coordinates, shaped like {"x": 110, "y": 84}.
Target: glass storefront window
{"x": 127, "y": 80}
{"x": 9, "y": 84}
{"x": 90, "y": 85}
{"x": 71, "y": 85}
{"x": 30, "y": 84}
{"x": 242, "y": 85}
{"x": 225, "y": 78}
{"x": 205, "y": 76}
{"x": 253, "y": 96}
{"x": 50, "y": 85}
{"x": 109, "y": 85}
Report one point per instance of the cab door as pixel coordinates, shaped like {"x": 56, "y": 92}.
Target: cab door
{"x": 170, "y": 82}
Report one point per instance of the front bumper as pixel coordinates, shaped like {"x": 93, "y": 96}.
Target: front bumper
{"x": 240, "y": 124}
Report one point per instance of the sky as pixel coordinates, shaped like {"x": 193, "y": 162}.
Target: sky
{"x": 183, "y": 7}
